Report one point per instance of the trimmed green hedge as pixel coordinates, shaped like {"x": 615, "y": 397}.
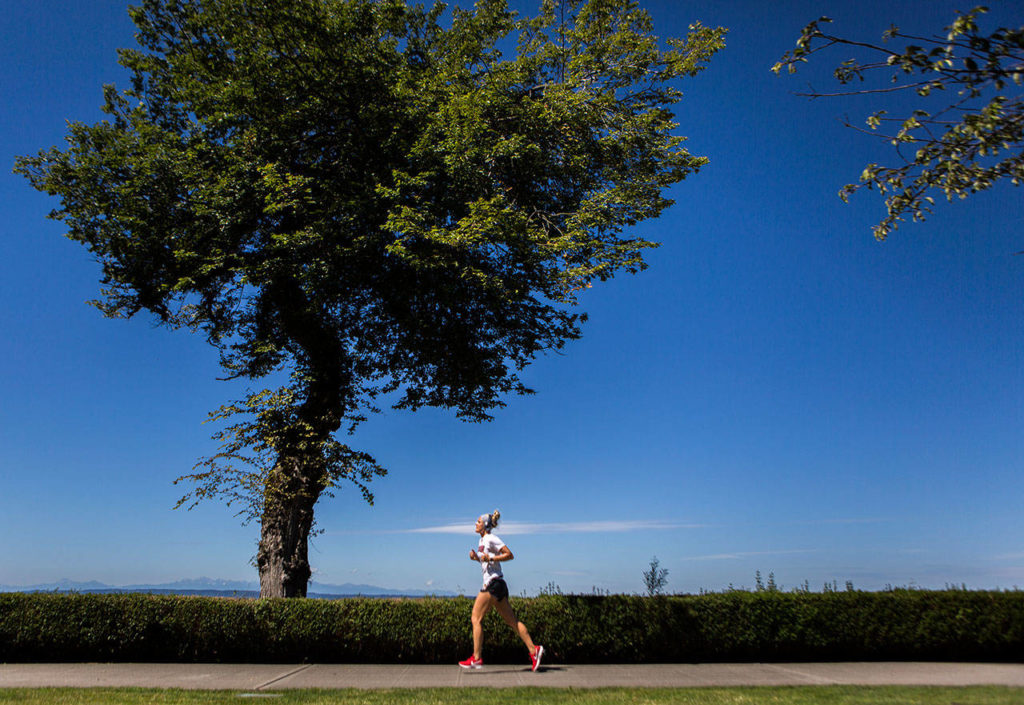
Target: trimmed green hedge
{"x": 734, "y": 626}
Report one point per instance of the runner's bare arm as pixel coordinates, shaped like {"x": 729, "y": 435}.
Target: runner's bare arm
{"x": 503, "y": 555}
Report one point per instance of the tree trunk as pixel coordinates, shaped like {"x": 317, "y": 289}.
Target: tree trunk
{"x": 298, "y": 476}
{"x": 283, "y": 558}
{"x": 292, "y": 490}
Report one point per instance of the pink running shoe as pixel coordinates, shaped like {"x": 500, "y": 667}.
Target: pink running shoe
{"x": 535, "y": 658}
{"x": 472, "y": 662}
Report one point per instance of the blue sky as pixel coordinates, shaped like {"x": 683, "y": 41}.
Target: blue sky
{"x": 778, "y": 392}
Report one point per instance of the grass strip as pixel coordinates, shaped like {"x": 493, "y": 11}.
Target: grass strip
{"x": 760, "y": 695}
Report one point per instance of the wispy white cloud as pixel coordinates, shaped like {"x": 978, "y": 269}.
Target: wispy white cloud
{"x": 747, "y": 554}
{"x": 588, "y": 527}
{"x": 1009, "y": 557}
{"x": 842, "y": 520}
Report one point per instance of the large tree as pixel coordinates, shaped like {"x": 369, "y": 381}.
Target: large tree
{"x": 964, "y": 129}
{"x": 393, "y": 204}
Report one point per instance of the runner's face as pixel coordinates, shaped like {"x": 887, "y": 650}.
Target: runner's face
{"x": 479, "y": 525}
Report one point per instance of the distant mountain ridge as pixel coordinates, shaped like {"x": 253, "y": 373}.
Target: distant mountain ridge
{"x": 219, "y": 587}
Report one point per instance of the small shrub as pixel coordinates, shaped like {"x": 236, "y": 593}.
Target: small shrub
{"x": 655, "y": 578}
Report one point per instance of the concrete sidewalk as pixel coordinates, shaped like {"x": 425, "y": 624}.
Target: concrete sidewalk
{"x": 267, "y": 677}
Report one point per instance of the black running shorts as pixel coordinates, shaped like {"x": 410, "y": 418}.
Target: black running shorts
{"x": 498, "y": 588}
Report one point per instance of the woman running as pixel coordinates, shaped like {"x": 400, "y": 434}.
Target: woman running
{"x": 491, "y": 553}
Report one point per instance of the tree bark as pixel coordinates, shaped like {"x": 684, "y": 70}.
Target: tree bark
{"x": 292, "y": 490}
{"x": 283, "y": 558}
{"x": 298, "y": 476}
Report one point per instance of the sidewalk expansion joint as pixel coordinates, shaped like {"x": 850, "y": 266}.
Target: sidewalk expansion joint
{"x": 803, "y": 674}
{"x": 290, "y": 673}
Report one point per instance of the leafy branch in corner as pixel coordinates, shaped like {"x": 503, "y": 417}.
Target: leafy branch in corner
{"x": 958, "y": 145}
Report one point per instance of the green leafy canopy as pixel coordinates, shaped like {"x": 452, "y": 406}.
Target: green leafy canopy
{"x": 381, "y": 198}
